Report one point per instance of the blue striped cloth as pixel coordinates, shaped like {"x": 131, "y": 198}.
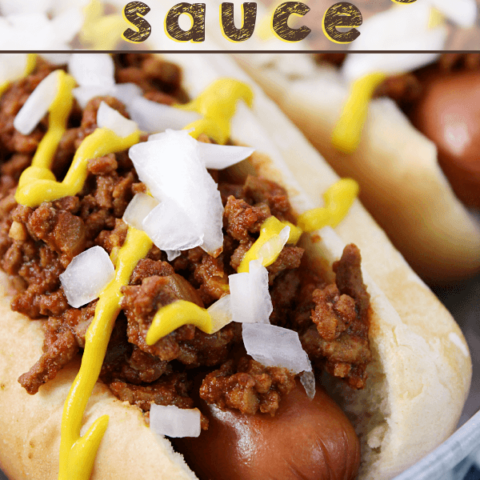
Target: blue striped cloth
{"x": 458, "y": 458}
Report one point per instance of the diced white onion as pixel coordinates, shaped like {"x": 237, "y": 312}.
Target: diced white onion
{"x": 24, "y": 6}
{"x": 399, "y": 28}
{"x": 461, "y": 12}
{"x": 138, "y": 209}
{"x": 172, "y": 169}
{"x": 212, "y": 213}
{"x": 171, "y": 228}
{"x": 308, "y": 381}
{"x": 274, "y": 246}
{"x": 219, "y": 157}
{"x": 86, "y": 276}
{"x": 175, "y": 422}
{"x": 56, "y": 58}
{"x": 172, "y": 254}
{"x": 393, "y": 26}
{"x": 12, "y": 66}
{"x": 108, "y": 117}
{"x": 92, "y": 69}
{"x": 156, "y": 117}
{"x": 28, "y": 27}
{"x": 38, "y": 25}
{"x": 67, "y": 24}
{"x": 274, "y": 346}
{"x": 221, "y": 313}
{"x": 125, "y": 92}
{"x": 164, "y": 165}
{"x": 37, "y": 104}
{"x": 156, "y": 136}
{"x": 84, "y": 94}
{"x": 250, "y": 298}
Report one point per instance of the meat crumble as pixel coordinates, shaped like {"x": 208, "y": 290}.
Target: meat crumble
{"x": 37, "y": 245}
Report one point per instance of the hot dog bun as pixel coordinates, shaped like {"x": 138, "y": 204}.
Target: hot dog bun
{"x": 401, "y": 182}
{"x": 418, "y": 380}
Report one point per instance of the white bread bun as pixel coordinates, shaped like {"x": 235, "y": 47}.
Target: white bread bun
{"x": 401, "y": 183}
{"x": 418, "y": 379}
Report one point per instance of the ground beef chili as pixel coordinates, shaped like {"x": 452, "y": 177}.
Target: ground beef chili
{"x": 37, "y": 244}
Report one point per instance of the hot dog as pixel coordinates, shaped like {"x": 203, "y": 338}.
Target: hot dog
{"x": 412, "y": 398}
{"x": 453, "y": 113}
{"x": 314, "y": 427}
{"x": 411, "y": 153}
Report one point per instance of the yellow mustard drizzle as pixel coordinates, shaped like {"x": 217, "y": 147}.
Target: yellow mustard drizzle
{"x": 176, "y": 314}
{"x": 338, "y": 198}
{"x": 217, "y": 104}
{"x": 348, "y": 130}
{"x": 270, "y": 228}
{"x": 77, "y": 453}
{"x": 36, "y": 184}
{"x": 29, "y": 67}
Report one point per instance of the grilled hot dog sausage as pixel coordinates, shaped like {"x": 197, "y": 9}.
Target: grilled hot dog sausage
{"x": 307, "y": 439}
{"x": 449, "y": 114}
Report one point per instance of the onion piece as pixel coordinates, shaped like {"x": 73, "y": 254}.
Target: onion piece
{"x": 12, "y": 66}
{"x": 172, "y": 169}
{"x": 250, "y": 298}
{"x": 108, "y": 117}
{"x": 221, "y": 313}
{"x": 56, "y": 58}
{"x": 86, "y": 276}
{"x": 67, "y": 24}
{"x": 163, "y": 165}
{"x": 461, "y": 12}
{"x": 307, "y": 379}
{"x": 126, "y": 92}
{"x": 219, "y": 157}
{"x": 24, "y": 7}
{"x": 400, "y": 29}
{"x": 171, "y": 228}
{"x": 32, "y": 31}
{"x": 37, "y": 104}
{"x": 175, "y": 422}
{"x": 138, "y": 209}
{"x": 156, "y": 117}
{"x": 274, "y": 346}
{"x": 394, "y": 26}
{"x": 172, "y": 254}
{"x": 92, "y": 69}
{"x": 84, "y": 94}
